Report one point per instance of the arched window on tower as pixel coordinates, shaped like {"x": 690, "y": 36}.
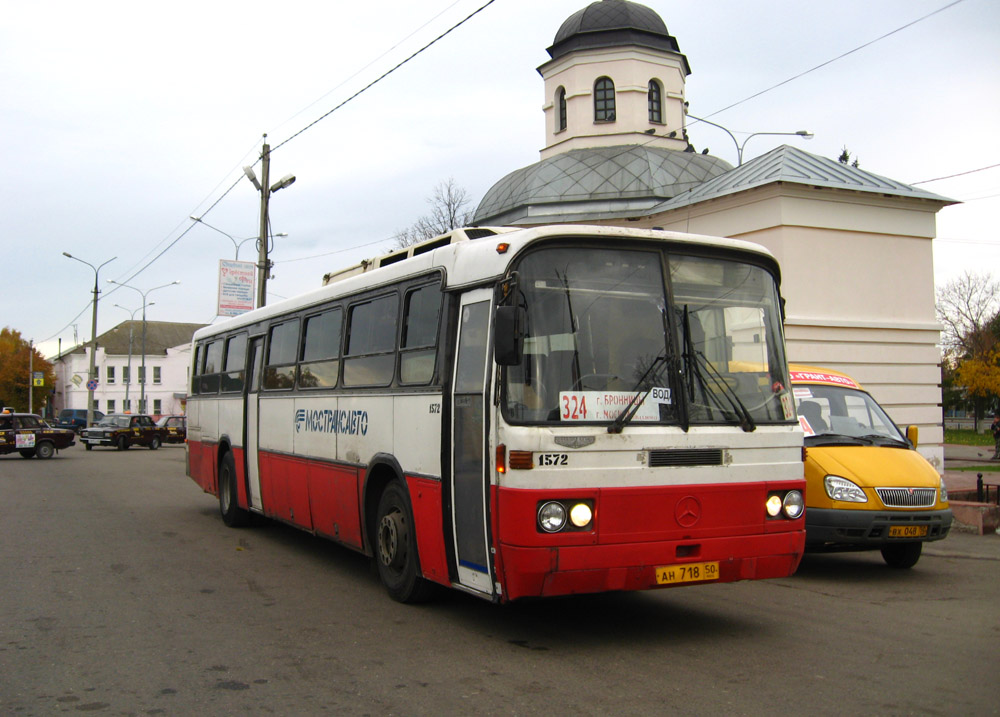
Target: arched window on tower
{"x": 560, "y": 109}
{"x": 604, "y": 100}
{"x": 655, "y": 101}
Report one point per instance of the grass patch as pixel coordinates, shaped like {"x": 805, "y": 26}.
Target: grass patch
{"x": 963, "y": 437}
{"x": 992, "y": 468}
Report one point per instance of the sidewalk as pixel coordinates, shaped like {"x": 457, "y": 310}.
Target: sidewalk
{"x": 956, "y": 456}
{"x": 970, "y": 516}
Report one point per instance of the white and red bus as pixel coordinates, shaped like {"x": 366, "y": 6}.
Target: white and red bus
{"x": 518, "y": 412}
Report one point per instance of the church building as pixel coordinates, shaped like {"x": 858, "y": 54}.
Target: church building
{"x": 854, "y": 247}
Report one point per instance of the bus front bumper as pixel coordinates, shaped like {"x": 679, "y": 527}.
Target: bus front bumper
{"x": 569, "y": 570}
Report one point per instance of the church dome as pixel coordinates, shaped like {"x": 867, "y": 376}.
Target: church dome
{"x": 595, "y": 183}
{"x": 613, "y": 23}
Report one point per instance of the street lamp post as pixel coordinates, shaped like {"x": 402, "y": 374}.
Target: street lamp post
{"x": 91, "y": 378}
{"x": 804, "y": 134}
{"x": 142, "y": 370}
{"x": 266, "y": 190}
{"x": 236, "y": 242}
{"x": 128, "y": 371}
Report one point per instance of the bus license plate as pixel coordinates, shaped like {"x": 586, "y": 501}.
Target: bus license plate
{"x": 907, "y": 531}
{"x": 688, "y": 573}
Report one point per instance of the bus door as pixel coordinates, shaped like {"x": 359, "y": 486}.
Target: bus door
{"x": 470, "y": 469}
{"x": 251, "y": 413}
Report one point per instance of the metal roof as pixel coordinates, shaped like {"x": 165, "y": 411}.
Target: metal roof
{"x": 792, "y": 165}
{"x": 595, "y": 181}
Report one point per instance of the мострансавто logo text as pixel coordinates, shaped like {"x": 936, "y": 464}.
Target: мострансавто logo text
{"x": 348, "y": 423}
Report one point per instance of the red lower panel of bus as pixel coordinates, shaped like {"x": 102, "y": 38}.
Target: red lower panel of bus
{"x": 638, "y": 532}
{"x": 319, "y": 497}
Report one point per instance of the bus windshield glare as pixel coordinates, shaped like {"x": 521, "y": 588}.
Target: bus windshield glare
{"x": 647, "y": 337}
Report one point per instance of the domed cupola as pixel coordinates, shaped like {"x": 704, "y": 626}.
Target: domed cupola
{"x": 614, "y": 23}
{"x": 616, "y": 76}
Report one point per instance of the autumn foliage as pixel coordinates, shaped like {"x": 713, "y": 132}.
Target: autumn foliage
{"x": 15, "y": 378}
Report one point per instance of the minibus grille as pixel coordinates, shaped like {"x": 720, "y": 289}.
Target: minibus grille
{"x": 685, "y": 457}
{"x": 907, "y": 497}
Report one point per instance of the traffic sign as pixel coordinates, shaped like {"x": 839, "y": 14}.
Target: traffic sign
{"x": 92, "y": 384}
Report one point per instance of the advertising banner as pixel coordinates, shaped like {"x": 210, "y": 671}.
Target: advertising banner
{"x": 237, "y": 287}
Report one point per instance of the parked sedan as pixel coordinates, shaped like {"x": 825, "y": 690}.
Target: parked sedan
{"x": 122, "y": 430}
{"x": 176, "y": 428}
{"x": 30, "y": 436}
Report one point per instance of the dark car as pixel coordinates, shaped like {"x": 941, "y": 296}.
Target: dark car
{"x": 176, "y": 428}
{"x": 75, "y": 419}
{"x": 122, "y": 430}
{"x": 30, "y": 436}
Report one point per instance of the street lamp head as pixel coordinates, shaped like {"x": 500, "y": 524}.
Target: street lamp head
{"x": 285, "y": 181}
{"x": 193, "y": 218}
{"x": 66, "y": 253}
{"x": 805, "y": 134}
{"x": 252, "y": 177}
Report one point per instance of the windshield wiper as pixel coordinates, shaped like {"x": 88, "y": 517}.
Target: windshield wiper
{"x": 638, "y": 396}
{"x": 695, "y": 362}
{"x": 882, "y": 438}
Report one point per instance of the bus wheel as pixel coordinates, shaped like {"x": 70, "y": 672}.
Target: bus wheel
{"x": 44, "y": 450}
{"x": 902, "y": 555}
{"x": 27, "y": 452}
{"x": 122, "y": 443}
{"x": 396, "y": 547}
{"x": 155, "y": 443}
{"x": 232, "y": 514}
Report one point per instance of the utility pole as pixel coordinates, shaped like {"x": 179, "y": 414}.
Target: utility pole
{"x": 262, "y": 261}
{"x": 31, "y": 374}
{"x": 266, "y": 190}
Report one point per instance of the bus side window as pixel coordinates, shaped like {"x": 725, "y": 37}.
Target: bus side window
{"x": 210, "y": 371}
{"x": 320, "y": 359}
{"x": 236, "y": 356}
{"x": 195, "y": 372}
{"x": 370, "y": 356}
{"x": 279, "y": 370}
{"x": 418, "y": 350}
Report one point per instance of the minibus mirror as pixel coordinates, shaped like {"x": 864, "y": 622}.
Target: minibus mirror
{"x": 508, "y": 341}
{"x": 911, "y": 435}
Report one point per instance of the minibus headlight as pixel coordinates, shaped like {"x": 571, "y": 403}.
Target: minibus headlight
{"x": 838, "y": 488}
{"x": 580, "y": 515}
{"x": 944, "y": 492}
{"x": 773, "y": 505}
{"x": 552, "y": 517}
{"x": 793, "y": 504}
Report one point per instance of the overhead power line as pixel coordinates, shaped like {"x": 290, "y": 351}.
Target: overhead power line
{"x": 952, "y": 176}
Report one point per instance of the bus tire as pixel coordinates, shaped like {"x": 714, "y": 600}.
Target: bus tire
{"x": 44, "y": 449}
{"x": 232, "y": 514}
{"x": 396, "y": 547}
{"x": 902, "y": 555}
{"x": 122, "y": 443}
{"x": 155, "y": 443}
{"x": 27, "y": 452}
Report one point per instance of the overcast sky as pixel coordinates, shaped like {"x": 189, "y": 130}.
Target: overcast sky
{"x": 121, "y": 119}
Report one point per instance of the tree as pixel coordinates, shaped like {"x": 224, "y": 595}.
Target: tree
{"x": 448, "y": 211}
{"x": 14, "y": 372}
{"x": 969, "y": 309}
{"x": 845, "y": 158}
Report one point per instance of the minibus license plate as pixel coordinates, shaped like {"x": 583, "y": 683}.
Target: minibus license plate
{"x": 687, "y": 573}
{"x": 907, "y": 531}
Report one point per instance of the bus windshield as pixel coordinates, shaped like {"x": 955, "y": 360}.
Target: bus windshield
{"x": 663, "y": 337}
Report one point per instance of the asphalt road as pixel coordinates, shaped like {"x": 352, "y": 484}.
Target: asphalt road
{"x": 121, "y": 592}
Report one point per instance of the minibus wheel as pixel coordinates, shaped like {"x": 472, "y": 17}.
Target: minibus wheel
{"x": 901, "y": 555}
{"x": 396, "y": 547}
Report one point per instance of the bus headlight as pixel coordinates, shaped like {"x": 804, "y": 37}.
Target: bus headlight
{"x": 552, "y": 517}
{"x": 793, "y": 505}
{"x": 773, "y": 505}
{"x": 580, "y": 515}
{"x": 944, "y": 492}
{"x": 838, "y": 488}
